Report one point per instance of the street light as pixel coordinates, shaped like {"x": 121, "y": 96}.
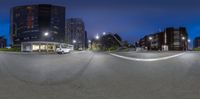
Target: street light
{"x": 189, "y": 40}
{"x": 74, "y": 41}
{"x": 183, "y": 38}
{"x": 104, "y": 33}
{"x": 89, "y": 41}
{"x": 97, "y": 37}
{"x": 188, "y": 43}
{"x": 150, "y": 38}
{"x": 75, "y": 45}
{"x": 46, "y": 34}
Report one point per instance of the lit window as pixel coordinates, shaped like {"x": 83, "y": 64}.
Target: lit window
{"x": 55, "y": 32}
{"x": 35, "y": 47}
{"x": 55, "y": 27}
{"x": 17, "y": 15}
{"x": 29, "y": 8}
{"x": 43, "y": 47}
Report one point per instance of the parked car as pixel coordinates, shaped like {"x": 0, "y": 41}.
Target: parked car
{"x": 63, "y": 48}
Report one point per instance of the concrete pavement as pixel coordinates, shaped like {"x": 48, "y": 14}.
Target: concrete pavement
{"x": 90, "y": 75}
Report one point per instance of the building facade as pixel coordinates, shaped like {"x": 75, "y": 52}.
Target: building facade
{"x": 197, "y": 42}
{"x": 41, "y": 22}
{"x": 75, "y": 33}
{"x": 2, "y": 42}
{"x": 170, "y": 39}
{"x": 152, "y": 41}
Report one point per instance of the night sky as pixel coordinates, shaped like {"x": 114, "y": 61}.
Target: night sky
{"x": 132, "y": 19}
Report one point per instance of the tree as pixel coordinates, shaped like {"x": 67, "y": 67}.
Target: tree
{"x": 126, "y": 44}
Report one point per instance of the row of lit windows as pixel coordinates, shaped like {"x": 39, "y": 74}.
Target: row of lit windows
{"x": 28, "y": 38}
{"x": 30, "y": 31}
{"x": 22, "y": 27}
{"x": 176, "y": 43}
{"x": 24, "y": 15}
{"x": 55, "y": 27}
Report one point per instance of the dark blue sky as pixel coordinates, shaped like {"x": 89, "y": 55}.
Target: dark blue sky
{"x": 132, "y": 19}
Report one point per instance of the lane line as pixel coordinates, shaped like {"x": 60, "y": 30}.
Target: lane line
{"x": 147, "y": 60}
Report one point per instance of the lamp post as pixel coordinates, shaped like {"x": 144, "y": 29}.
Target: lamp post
{"x": 74, "y": 43}
{"x": 89, "y": 44}
{"x": 97, "y": 37}
{"x": 183, "y": 40}
{"x": 89, "y": 41}
{"x": 46, "y": 34}
{"x": 150, "y": 39}
{"x": 188, "y": 43}
{"x": 104, "y": 33}
{"x": 97, "y": 45}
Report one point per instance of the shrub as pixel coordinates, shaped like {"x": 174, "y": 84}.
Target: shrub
{"x": 10, "y": 49}
{"x": 196, "y": 49}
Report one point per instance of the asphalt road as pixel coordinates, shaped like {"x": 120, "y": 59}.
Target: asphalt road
{"x": 89, "y": 75}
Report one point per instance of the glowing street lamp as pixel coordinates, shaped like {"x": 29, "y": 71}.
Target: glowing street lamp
{"x": 188, "y": 43}
{"x": 97, "y": 37}
{"x": 46, "y": 34}
{"x": 74, "y": 41}
{"x": 150, "y": 38}
{"x": 89, "y": 41}
{"x": 183, "y": 38}
{"x": 189, "y": 40}
{"x": 104, "y": 33}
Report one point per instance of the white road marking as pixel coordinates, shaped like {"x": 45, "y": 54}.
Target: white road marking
{"x": 78, "y": 52}
{"x": 147, "y": 60}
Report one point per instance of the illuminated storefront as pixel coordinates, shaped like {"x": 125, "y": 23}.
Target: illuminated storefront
{"x": 38, "y": 46}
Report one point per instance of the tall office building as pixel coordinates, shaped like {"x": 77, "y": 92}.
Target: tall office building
{"x": 197, "y": 42}
{"x": 170, "y": 39}
{"x": 41, "y": 22}
{"x": 75, "y": 33}
{"x": 177, "y": 38}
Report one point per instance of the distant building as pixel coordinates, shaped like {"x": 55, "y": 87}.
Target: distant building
{"x": 37, "y": 23}
{"x": 170, "y": 39}
{"x": 75, "y": 33}
{"x": 152, "y": 41}
{"x": 2, "y": 42}
{"x": 197, "y": 42}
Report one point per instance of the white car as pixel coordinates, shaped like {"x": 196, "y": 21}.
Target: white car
{"x": 62, "y": 49}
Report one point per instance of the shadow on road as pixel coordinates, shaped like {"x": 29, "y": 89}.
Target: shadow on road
{"x": 46, "y": 69}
